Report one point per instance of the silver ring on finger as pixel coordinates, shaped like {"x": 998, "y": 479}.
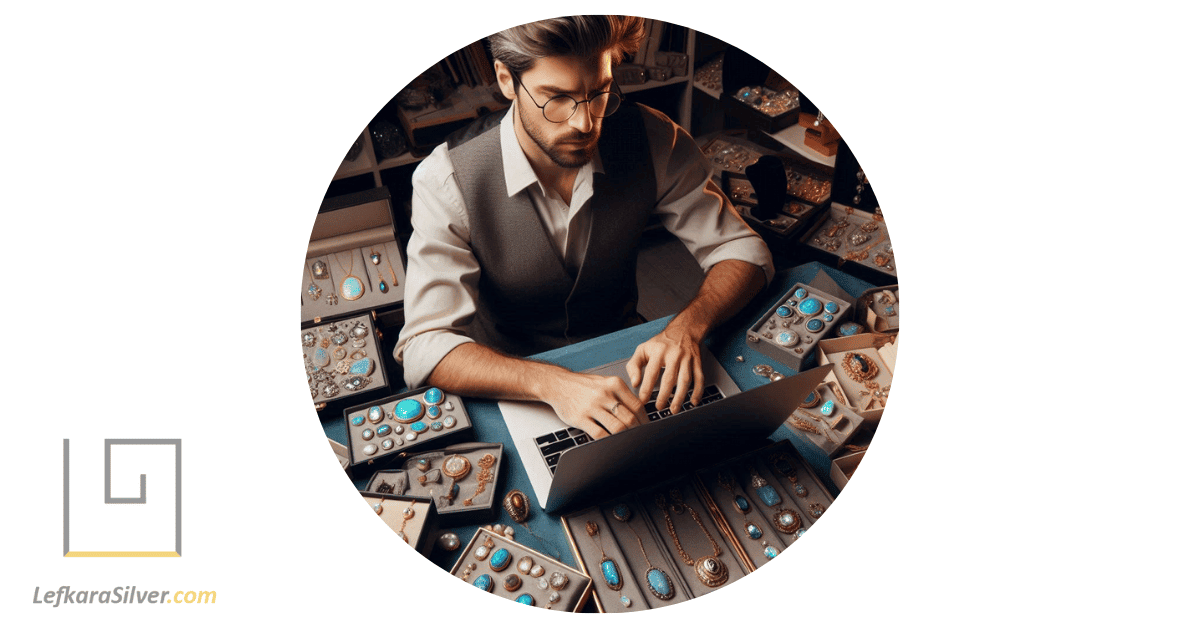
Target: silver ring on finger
{"x": 613, "y": 409}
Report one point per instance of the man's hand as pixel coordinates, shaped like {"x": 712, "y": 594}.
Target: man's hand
{"x": 596, "y": 404}
{"x": 675, "y": 355}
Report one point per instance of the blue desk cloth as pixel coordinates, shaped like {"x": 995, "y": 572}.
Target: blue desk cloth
{"x": 544, "y": 532}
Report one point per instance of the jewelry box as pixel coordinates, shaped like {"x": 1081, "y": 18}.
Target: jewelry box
{"x": 878, "y": 309}
{"x": 842, "y": 468}
{"x": 792, "y": 216}
{"x": 789, "y": 330}
{"x": 379, "y": 431}
{"x": 498, "y": 565}
{"x": 825, "y": 417}
{"x": 863, "y": 366}
{"x": 683, "y": 538}
{"x": 761, "y": 107}
{"x": 413, "y": 519}
{"x": 342, "y": 360}
{"x": 353, "y": 264}
{"x": 854, "y": 241}
{"x": 461, "y": 480}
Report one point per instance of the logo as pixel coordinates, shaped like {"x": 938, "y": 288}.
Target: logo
{"x": 128, "y": 527}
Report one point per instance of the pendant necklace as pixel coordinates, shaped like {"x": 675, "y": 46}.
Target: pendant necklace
{"x": 784, "y": 467}
{"x": 352, "y": 287}
{"x": 785, "y": 520}
{"x": 709, "y": 569}
{"x": 608, "y": 566}
{"x": 375, "y": 258}
{"x": 314, "y": 291}
{"x": 743, "y": 506}
{"x": 391, "y": 270}
{"x": 660, "y": 584}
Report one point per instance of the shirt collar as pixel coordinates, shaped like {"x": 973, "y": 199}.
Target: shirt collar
{"x": 518, "y": 174}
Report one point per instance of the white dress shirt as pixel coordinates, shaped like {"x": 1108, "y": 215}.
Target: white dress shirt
{"x": 442, "y": 284}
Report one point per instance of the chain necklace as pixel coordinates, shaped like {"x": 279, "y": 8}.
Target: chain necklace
{"x": 709, "y": 569}
{"x": 352, "y": 287}
{"x": 608, "y": 566}
{"x": 743, "y": 506}
{"x": 660, "y": 584}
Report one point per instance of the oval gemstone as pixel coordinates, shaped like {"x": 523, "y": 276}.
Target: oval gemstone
{"x": 787, "y": 338}
{"x": 434, "y": 395}
{"x": 375, "y": 414}
{"x": 365, "y": 366}
{"x": 484, "y": 582}
{"x": 831, "y": 307}
{"x": 352, "y": 288}
{"x": 436, "y": 426}
{"x": 848, "y": 329}
{"x": 741, "y": 504}
{"x": 409, "y": 409}
{"x": 481, "y": 552}
{"x": 622, "y": 512}
{"x": 449, "y": 422}
{"x": 770, "y": 551}
{"x": 433, "y": 412}
{"x": 357, "y": 421}
{"x": 753, "y": 531}
{"x": 512, "y": 582}
{"x": 626, "y": 602}
{"x": 783, "y": 311}
{"x": 525, "y": 599}
{"x": 612, "y": 577}
{"x": 383, "y": 287}
{"x": 383, "y": 430}
{"x": 810, "y": 306}
{"x": 368, "y": 434}
{"x": 370, "y": 449}
{"x": 660, "y": 584}
{"x": 814, "y": 325}
{"x": 860, "y": 363}
{"x": 525, "y": 564}
{"x": 387, "y": 444}
{"x": 768, "y": 495}
{"x": 786, "y": 520}
{"x": 321, "y": 357}
{"x": 419, "y": 427}
{"x": 828, "y": 318}
{"x": 801, "y": 293}
{"x": 828, "y": 408}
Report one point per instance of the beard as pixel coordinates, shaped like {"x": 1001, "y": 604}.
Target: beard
{"x": 566, "y": 156}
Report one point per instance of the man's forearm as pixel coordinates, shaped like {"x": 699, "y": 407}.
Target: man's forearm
{"x": 475, "y": 370}
{"x": 727, "y": 288}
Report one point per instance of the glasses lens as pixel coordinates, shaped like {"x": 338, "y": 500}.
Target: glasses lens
{"x": 559, "y": 108}
{"x": 604, "y": 104}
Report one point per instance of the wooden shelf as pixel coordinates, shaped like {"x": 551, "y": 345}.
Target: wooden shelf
{"x": 793, "y": 138}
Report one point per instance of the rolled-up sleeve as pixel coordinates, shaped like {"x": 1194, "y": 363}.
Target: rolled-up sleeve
{"x": 693, "y": 208}
{"x": 442, "y": 285}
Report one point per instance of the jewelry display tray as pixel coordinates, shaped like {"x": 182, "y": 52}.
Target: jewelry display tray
{"x": 452, "y": 407}
{"x": 880, "y": 348}
{"x": 425, "y": 519}
{"x": 347, "y": 229}
{"x": 619, "y": 540}
{"x": 377, "y": 376}
{"x": 795, "y": 215}
{"x": 406, "y": 481}
{"x": 841, "y": 256}
{"x": 831, "y": 433}
{"x": 871, "y": 314}
{"x": 574, "y": 594}
{"x": 763, "y": 336}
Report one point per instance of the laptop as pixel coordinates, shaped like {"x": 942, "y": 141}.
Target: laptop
{"x": 566, "y": 467}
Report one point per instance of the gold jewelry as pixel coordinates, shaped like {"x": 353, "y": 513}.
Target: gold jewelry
{"x": 388, "y": 257}
{"x": 484, "y": 476}
{"x": 352, "y": 288}
{"x": 407, "y": 513}
{"x": 858, "y": 256}
{"x": 785, "y": 520}
{"x": 608, "y": 566}
{"x": 456, "y": 467}
{"x": 859, "y": 367}
{"x": 314, "y": 291}
{"x": 709, "y": 569}
{"x": 659, "y": 582}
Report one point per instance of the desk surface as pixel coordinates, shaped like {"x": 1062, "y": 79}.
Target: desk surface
{"x": 544, "y": 533}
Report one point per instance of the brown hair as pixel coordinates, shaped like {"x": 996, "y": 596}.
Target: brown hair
{"x": 585, "y": 36}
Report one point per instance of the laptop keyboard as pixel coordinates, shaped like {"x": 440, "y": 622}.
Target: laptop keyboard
{"x": 553, "y": 444}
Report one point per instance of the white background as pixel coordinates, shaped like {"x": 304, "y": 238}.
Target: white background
{"x": 163, "y": 164}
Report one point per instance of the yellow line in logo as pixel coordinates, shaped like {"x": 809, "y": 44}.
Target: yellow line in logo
{"x": 122, "y": 555}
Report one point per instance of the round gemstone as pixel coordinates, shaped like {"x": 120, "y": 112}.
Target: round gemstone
{"x": 434, "y": 396}
{"x": 809, "y": 306}
{"x": 753, "y": 531}
{"x": 368, "y": 434}
{"x": 484, "y": 581}
{"x": 814, "y": 325}
{"x": 770, "y": 551}
{"x": 537, "y": 571}
{"x": 555, "y": 596}
{"x": 831, "y": 307}
{"x": 370, "y": 449}
{"x": 448, "y": 541}
{"x": 352, "y": 288}
{"x": 375, "y": 414}
{"x": 525, "y": 599}
{"x": 801, "y": 293}
{"x": 433, "y": 412}
{"x": 828, "y": 318}
{"x": 525, "y": 564}
{"x": 622, "y": 512}
{"x": 626, "y": 602}
{"x": 543, "y": 584}
{"x": 436, "y": 426}
{"x": 787, "y": 338}
{"x": 558, "y": 580}
{"x": 383, "y": 430}
{"x": 357, "y": 421}
{"x": 449, "y": 422}
{"x": 512, "y": 582}
{"x": 783, "y": 311}
{"x": 386, "y": 444}
{"x": 409, "y": 409}
{"x": 786, "y": 519}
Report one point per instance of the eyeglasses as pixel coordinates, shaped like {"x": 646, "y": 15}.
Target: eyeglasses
{"x": 560, "y": 108}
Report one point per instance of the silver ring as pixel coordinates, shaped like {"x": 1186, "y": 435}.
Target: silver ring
{"x": 613, "y": 410}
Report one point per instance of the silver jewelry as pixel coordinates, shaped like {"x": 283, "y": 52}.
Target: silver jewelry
{"x": 613, "y": 409}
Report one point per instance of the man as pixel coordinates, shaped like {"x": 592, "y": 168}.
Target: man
{"x": 525, "y": 235}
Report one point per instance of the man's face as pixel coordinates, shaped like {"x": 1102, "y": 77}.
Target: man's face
{"x": 569, "y": 144}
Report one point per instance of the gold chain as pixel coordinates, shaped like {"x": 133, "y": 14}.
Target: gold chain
{"x": 661, "y": 500}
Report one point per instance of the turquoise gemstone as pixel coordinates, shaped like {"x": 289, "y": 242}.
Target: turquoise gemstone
{"x": 361, "y": 367}
{"x": 409, "y": 409}
{"x": 525, "y": 599}
{"x": 848, "y": 329}
{"x": 383, "y": 430}
{"x": 810, "y": 306}
{"x": 321, "y": 356}
{"x": 828, "y": 318}
{"x": 433, "y": 395}
{"x": 500, "y": 559}
{"x": 889, "y": 310}
{"x": 433, "y": 412}
{"x": 357, "y": 421}
{"x": 660, "y": 584}
{"x": 828, "y": 408}
{"x": 831, "y": 307}
{"x": 770, "y": 551}
{"x": 622, "y": 512}
{"x": 753, "y": 531}
{"x": 484, "y": 582}
{"x": 612, "y": 577}
{"x": 419, "y": 427}
{"x": 801, "y": 293}
{"x": 814, "y": 325}
{"x": 784, "y": 311}
{"x": 383, "y": 287}
{"x": 352, "y": 288}
{"x": 436, "y": 426}
{"x": 768, "y": 495}
{"x": 741, "y": 504}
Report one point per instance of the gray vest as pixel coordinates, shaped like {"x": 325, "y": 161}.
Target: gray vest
{"x": 529, "y": 300}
